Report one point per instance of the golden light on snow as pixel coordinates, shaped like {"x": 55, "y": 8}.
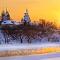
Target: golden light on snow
{"x": 23, "y": 52}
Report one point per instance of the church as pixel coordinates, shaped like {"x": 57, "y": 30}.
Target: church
{"x": 6, "y": 19}
{"x": 26, "y": 18}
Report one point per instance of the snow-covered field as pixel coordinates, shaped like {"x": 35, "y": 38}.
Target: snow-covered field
{"x": 28, "y": 49}
{"x": 54, "y": 56}
{"x": 4, "y": 47}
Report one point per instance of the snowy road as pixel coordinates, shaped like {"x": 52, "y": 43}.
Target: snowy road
{"x": 54, "y": 56}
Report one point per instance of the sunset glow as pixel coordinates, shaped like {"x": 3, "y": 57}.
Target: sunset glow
{"x": 45, "y": 9}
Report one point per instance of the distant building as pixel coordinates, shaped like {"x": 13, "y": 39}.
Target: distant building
{"x": 26, "y": 18}
{"x": 5, "y": 15}
{"x": 5, "y": 18}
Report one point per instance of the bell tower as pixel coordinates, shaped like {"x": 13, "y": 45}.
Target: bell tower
{"x": 5, "y": 15}
{"x": 26, "y": 18}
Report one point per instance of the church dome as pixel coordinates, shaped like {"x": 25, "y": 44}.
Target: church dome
{"x": 5, "y": 15}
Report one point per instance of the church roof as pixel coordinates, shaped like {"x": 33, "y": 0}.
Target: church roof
{"x": 7, "y": 22}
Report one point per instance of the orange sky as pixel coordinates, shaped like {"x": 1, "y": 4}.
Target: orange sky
{"x": 47, "y": 9}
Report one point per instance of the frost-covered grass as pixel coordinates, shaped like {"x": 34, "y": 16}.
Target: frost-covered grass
{"x": 28, "y": 49}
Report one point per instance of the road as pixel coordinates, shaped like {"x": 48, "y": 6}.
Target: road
{"x": 53, "y": 56}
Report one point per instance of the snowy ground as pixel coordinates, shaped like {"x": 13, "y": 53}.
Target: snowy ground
{"x": 4, "y": 47}
{"x": 54, "y": 56}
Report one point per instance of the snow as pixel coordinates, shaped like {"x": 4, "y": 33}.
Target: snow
{"x": 7, "y": 22}
{"x": 16, "y": 23}
{"x": 53, "y": 56}
{"x": 4, "y": 47}
{"x": 2, "y": 39}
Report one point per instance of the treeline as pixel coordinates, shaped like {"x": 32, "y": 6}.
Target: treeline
{"x": 28, "y": 31}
